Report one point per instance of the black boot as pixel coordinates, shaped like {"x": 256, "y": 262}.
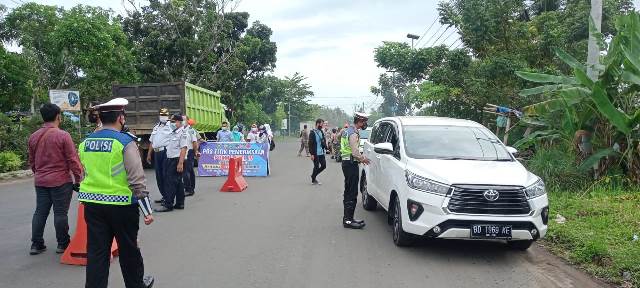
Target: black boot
{"x": 148, "y": 281}
{"x": 351, "y": 224}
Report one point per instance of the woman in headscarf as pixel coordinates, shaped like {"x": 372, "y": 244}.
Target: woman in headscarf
{"x": 263, "y": 137}
{"x": 236, "y": 135}
{"x": 253, "y": 133}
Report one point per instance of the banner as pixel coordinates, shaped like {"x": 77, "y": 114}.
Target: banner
{"x": 214, "y": 158}
{"x": 65, "y": 99}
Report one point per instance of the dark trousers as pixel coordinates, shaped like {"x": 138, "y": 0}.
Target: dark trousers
{"x": 103, "y": 223}
{"x": 351, "y": 174}
{"x": 158, "y": 164}
{"x": 173, "y": 186}
{"x": 319, "y": 164}
{"x": 60, "y": 198}
{"x": 189, "y": 175}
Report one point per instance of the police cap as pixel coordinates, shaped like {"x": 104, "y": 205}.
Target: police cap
{"x": 360, "y": 116}
{"x": 116, "y": 104}
{"x": 164, "y": 112}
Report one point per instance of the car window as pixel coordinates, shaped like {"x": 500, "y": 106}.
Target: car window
{"x": 381, "y": 133}
{"x": 374, "y": 130}
{"x": 392, "y": 138}
{"x": 364, "y": 134}
{"x": 454, "y": 143}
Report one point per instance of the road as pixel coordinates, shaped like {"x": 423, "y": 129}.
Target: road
{"x": 280, "y": 232}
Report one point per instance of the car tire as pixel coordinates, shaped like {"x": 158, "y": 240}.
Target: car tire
{"x": 521, "y": 245}
{"x": 400, "y": 238}
{"x": 368, "y": 202}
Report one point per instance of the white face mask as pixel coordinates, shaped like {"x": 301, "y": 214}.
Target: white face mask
{"x": 164, "y": 119}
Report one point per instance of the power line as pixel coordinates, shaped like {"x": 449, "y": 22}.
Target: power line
{"x": 445, "y": 31}
{"x": 454, "y": 42}
{"x": 445, "y": 39}
{"x": 434, "y": 34}
{"x": 426, "y": 31}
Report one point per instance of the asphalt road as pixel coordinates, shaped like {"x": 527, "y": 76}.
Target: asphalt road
{"x": 280, "y": 232}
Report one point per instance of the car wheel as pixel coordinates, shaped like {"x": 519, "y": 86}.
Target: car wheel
{"x": 368, "y": 203}
{"x": 521, "y": 245}
{"x": 400, "y": 238}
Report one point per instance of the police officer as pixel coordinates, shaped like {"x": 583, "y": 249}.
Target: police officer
{"x": 159, "y": 140}
{"x": 189, "y": 178}
{"x": 174, "y": 166}
{"x": 112, "y": 191}
{"x": 351, "y": 157}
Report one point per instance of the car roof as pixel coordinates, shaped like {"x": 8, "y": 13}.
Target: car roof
{"x": 432, "y": 121}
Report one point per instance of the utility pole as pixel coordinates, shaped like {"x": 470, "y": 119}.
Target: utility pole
{"x": 289, "y": 121}
{"x": 593, "y": 56}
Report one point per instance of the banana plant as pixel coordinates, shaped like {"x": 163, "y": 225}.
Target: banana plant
{"x": 612, "y": 98}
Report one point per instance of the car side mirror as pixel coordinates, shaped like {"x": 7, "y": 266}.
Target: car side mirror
{"x": 512, "y": 150}
{"x": 383, "y": 148}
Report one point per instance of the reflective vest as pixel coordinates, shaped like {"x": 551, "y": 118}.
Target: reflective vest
{"x": 345, "y": 148}
{"x": 105, "y": 180}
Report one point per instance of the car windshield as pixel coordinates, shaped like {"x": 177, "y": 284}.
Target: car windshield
{"x": 453, "y": 143}
{"x": 364, "y": 134}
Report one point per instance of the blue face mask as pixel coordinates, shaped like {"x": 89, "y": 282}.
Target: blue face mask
{"x": 173, "y": 126}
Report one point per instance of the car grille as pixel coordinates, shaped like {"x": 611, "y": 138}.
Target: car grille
{"x": 468, "y": 199}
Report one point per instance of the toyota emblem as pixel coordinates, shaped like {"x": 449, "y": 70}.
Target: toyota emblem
{"x": 491, "y": 195}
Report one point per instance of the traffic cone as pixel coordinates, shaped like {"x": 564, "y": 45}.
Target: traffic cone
{"x": 76, "y": 252}
{"x": 235, "y": 181}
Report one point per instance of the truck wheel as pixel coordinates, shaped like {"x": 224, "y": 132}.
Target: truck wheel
{"x": 521, "y": 245}
{"x": 400, "y": 238}
{"x": 368, "y": 203}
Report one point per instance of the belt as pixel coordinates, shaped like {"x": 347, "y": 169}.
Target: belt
{"x": 158, "y": 149}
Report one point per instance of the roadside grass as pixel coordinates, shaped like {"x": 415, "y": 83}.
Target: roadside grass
{"x": 598, "y": 234}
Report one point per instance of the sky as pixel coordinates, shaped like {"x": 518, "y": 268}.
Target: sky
{"x": 331, "y": 42}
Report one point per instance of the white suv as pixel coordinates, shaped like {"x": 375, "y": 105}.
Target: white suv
{"x": 452, "y": 179}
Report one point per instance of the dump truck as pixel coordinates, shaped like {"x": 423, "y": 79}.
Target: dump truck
{"x": 145, "y": 100}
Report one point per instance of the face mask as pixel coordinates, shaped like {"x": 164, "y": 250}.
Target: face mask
{"x": 173, "y": 126}
{"x": 364, "y": 126}
{"x": 225, "y": 128}
{"x": 164, "y": 119}
{"x": 253, "y": 129}
{"x": 93, "y": 118}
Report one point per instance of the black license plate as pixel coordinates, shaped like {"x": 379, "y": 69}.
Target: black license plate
{"x": 491, "y": 231}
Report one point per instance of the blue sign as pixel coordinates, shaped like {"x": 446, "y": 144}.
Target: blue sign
{"x": 214, "y": 158}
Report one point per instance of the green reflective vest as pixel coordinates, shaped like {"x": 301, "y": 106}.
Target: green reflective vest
{"x": 105, "y": 181}
{"x": 345, "y": 148}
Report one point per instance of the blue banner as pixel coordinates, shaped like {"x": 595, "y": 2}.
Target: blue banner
{"x": 214, "y": 158}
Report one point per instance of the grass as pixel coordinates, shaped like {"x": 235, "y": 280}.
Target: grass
{"x": 598, "y": 233}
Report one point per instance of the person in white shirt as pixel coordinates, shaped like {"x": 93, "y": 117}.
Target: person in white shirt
{"x": 253, "y": 135}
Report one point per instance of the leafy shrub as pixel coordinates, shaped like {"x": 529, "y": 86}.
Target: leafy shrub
{"x": 558, "y": 168}
{"x": 9, "y": 161}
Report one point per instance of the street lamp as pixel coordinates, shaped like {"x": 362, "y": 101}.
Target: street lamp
{"x": 412, "y": 37}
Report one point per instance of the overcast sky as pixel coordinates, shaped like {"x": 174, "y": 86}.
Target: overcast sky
{"x": 331, "y": 42}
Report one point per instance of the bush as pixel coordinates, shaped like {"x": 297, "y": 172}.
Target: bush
{"x": 9, "y": 161}
{"x": 558, "y": 168}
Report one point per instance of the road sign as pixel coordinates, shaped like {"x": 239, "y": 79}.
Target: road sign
{"x": 284, "y": 124}
{"x": 67, "y": 100}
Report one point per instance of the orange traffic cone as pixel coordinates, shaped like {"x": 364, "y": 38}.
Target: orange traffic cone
{"x": 235, "y": 182}
{"x": 76, "y": 252}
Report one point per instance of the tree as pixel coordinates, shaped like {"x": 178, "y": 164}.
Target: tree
{"x": 17, "y": 78}
{"x": 83, "y": 48}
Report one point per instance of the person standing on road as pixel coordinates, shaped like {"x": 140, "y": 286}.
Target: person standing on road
{"x": 189, "y": 174}
{"x": 318, "y": 146}
{"x": 94, "y": 117}
{"x": 159, "y": 139}
{"x": 237, "y": 135}
{"x": 224, "y": 135}
{"x": 304, "y": 141}
{"x": 254, "y": 133}
{"x": 57, "y": 171}
{"x": 174, "y": 166}
{"x": 113, "y": 189}
{"x": 351, "y": 158}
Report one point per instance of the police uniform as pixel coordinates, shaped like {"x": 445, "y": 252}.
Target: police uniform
{"x": 351, "y": 158}
{"x": 189, "y": 178}
{"x": 113, "y": 189}
{"x": 159, "y": 139}
{"x": 179, "y": 140}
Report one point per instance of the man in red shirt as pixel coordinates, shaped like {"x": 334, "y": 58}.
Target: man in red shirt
{"x": 57, "y": 171}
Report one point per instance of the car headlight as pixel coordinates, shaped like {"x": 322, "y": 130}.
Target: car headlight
{"x": 535, "y": 190}
{"x": 423, "y": 184}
